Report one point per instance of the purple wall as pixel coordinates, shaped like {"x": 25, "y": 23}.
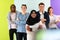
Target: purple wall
{"x": 56, "y": 6}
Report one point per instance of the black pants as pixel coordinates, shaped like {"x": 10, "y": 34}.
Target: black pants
{"x": 21, "y": 36}
{"x": 11, "y": 33}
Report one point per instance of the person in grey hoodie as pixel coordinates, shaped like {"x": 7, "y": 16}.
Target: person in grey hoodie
{"x": 12, "y": 17}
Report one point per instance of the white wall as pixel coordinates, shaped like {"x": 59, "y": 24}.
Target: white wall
{"x": 31, "y": 4}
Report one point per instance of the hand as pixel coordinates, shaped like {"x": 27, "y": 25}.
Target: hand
{"x": 28, "y": 28}
{"x": 58, "y": 20}
{"x": 18, "y": 19}
{"x": 40, "y": 27}
{"x": 43, "y": 20}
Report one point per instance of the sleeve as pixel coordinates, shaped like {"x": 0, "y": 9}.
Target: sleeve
{"x": 56, "y": 19}
{"x": 9, "y": 22}
{"x": 17, "y": 18}
{"x": 47, "y": 20}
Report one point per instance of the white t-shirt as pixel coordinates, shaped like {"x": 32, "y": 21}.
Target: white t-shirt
{"x": 13, "y": 16}
{"x": 52, "y": 23}
{"x": 42, "y": 17}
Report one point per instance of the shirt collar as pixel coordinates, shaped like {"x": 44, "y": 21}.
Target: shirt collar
{"x": 42, "y": 13}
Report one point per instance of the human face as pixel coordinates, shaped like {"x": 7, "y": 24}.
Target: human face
{"x": 33, "y": 15}
{"x": 41, "y": 8}
{"x": 24, "y": 8}
{"x": 13, "y": 9}
{"x": 51, "y": 11}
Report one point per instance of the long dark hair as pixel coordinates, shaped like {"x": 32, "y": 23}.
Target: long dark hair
{"x": 49, "y": 9}
{"x": 14, "y": 8}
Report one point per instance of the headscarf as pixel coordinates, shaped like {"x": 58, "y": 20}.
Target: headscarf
{"x": 32, "y": 21}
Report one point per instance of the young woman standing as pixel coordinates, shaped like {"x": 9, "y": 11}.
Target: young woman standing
{"x": 12, "y": 17}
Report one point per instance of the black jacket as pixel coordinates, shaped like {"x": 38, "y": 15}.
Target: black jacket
{"x": 46, "y": 16}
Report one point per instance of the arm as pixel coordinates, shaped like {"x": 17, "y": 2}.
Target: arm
{"x": 40, "y": 27}
{"x": 9, "y": 21}
{"x": 17, "y": 19}
{"x": 47, "y": 20}
{"x": 27, "y": 27}
{"x": 58, "y": 20}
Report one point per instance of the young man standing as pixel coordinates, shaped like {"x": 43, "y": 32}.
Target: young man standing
{"x": 21, "y": 29}
{"x": 44, "y": 17}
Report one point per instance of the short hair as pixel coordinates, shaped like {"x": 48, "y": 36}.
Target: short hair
{"x": 24, "y": 5}
{"x": 13, "y": 5}
{"x": 41, "y": 3}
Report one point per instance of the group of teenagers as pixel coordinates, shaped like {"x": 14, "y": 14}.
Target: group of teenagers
{"x": 25, "y": 25}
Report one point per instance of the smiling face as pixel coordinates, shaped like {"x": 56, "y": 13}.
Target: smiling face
{"x": 23, "y": 7}
{"x": 33, "y": 15}
{"x": 41, "y": 8}
{"x": 51, "y": 10}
